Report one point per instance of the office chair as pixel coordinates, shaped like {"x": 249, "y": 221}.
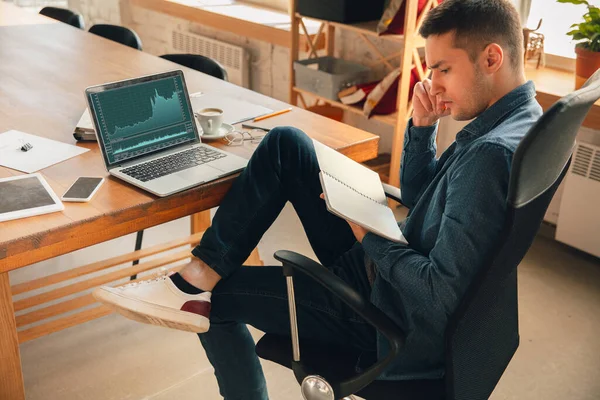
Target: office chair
{"x": 482, "y": 334}
{"x": 118, "y": 34}
{"x": 199, "y": 63}
{"x": 63, "y": 15}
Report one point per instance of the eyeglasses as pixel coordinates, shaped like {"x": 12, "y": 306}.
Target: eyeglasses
{"x": 237, "y": 138}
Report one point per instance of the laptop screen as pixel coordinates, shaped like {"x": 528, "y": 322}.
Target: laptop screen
{"x": 141, "y": 116}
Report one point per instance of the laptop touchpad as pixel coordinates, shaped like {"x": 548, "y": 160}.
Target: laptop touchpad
{"x": 200, "y": 173}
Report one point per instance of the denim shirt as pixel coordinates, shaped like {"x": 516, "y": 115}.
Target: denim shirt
{"x": 457, "y": 209}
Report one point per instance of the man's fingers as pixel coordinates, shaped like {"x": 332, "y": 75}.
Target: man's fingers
{"x": 427, "y": 86}
{"x": 423, "y": 97}
{"x": 322, "y": 196}
{"x": 432, "y": 97}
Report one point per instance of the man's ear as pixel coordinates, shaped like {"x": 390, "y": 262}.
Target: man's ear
{"x": 493, "y": 57}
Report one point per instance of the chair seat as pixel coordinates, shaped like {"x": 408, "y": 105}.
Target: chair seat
{"x": 336, "y": 363}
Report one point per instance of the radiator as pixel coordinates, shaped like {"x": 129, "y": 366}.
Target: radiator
{"x": 579, "y": 217}
{"x": 234, "y": 59}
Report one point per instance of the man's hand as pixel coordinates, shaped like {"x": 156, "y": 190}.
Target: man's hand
{"x": 428, "y": 108}
{"x": 359, "y": 231}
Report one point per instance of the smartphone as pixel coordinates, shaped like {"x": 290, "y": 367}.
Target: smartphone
{"x": 83, "y": 189}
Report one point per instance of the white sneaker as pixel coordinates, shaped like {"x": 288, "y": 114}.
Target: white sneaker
{"x": 158, "y": 302}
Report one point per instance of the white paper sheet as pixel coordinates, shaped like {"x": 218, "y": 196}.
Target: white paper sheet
{"x": 234, "y": 110}
{"x": 44, "y": 153}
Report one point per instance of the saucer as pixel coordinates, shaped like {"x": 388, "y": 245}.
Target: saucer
{"x": 223, "y": 131}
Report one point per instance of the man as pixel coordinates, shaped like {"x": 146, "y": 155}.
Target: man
{"x": 474, "y": 49}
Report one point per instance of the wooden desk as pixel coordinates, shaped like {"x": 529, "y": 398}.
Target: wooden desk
{"x": 44, "y": 70}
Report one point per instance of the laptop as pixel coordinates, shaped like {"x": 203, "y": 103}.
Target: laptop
{"x": 148, "y": 137}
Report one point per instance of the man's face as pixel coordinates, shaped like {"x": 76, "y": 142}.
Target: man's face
{"x": 456, "y": 81}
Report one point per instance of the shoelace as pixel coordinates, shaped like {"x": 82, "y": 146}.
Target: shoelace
{"x": 160, "y": 275}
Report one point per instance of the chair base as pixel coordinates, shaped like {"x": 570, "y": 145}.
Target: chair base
{"x": 335, "y": 363}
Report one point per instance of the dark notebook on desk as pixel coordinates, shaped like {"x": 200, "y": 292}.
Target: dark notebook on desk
{"x": 84, "y": 130}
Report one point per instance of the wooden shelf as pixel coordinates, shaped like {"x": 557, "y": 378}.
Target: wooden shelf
{"x": 407, "y": 55}
{"x": 389, "y": 119}
{"x": 365, "y": 28}
{"x": 368, "y": 29}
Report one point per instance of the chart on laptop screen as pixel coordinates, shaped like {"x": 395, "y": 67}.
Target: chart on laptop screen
{"x": 142, "y": 118}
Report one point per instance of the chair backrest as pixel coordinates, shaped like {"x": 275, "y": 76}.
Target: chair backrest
{"x": 63, "y": 15}
{"x": 118, "y": 34}
{"x": 199, "y": 63}
{"x": 483, "y": 333}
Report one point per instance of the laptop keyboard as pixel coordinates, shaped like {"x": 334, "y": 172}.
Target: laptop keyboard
{"x": 173, "y": 163}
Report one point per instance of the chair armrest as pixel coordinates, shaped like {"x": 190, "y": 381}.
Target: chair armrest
{"x": 294, "y": 261}
{"x": 392, "y": 192}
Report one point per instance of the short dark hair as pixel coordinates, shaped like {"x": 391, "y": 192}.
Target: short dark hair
{"x": 476, "y": 24}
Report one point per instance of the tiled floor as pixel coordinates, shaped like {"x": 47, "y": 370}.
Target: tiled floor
{"x": 114, "y": 358}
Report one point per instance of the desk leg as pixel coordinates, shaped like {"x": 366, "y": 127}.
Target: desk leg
{"x": 201, "y": 222}
{"x": 11, "y": 376}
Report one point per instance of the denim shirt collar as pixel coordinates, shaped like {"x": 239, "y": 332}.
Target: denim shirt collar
{"x": 490, "y": 117}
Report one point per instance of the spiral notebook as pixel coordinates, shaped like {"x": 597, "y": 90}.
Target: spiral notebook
{"x": 355, "y": 193}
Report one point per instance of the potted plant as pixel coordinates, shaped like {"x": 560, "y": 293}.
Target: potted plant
{"x": 588, "y": 47}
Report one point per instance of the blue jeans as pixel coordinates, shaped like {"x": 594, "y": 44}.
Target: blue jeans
{"x": 283, "y": 168}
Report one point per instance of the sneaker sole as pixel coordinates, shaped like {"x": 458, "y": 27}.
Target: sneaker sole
{"x": 153, "y": 314}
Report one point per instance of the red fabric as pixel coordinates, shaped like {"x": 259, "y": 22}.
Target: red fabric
{"x": 197, "y": 307}
{"x": 367, "y": 87}
{"x": 397, "y": 25}
{"x": 389, "y": 102}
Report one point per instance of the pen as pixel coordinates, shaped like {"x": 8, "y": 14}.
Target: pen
{"x": 273, "y": 114}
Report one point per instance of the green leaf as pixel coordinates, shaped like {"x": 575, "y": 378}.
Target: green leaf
{"x": 574, "y": 2}
{"x": 587, "y": 31}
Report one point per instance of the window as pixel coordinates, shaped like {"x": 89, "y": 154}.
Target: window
{"x": 557, "y": 20}
{"x": 38, "y": 4}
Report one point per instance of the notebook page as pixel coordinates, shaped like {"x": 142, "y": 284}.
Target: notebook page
{"x": 350, "y": 205}
{"x": 353, "y": 174}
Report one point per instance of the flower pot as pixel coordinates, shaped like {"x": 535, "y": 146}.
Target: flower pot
{"x": 586, "y": 64}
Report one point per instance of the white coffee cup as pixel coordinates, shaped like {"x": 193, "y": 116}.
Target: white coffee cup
{"x": 210, "y": 120}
